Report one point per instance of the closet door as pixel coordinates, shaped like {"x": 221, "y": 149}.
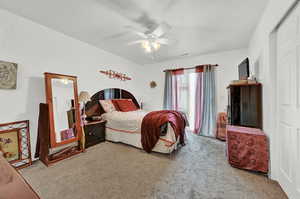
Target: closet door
{"x": 288, "y": 104}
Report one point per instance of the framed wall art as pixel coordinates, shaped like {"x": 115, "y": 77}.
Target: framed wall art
{"x": 8, "y": 75}
{"x": 15, "y": 143}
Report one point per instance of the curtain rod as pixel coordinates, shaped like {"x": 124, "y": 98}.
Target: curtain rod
{"x": 191, "y": 67}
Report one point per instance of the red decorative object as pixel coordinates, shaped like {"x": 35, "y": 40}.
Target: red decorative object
{"x": 126, "y": 105}
{"x": 115, "y": 75}
{"x": 115, "y": 103}
{"x": 247, "y": 148}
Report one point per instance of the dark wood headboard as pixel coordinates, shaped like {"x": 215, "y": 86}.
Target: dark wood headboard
{"x": 93, "y": 107}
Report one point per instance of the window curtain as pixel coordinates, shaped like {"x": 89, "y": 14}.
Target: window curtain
{"x": 193, "y": 93}
{"x": 174, "y": 93}
{"x": 208, "y": 120}
{"x": 168, "y": 92}
{"x": 179, "y": 97}
{"x": 198, "y": 99}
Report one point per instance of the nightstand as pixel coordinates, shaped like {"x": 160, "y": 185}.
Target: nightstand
{"x": 94, "y": 133}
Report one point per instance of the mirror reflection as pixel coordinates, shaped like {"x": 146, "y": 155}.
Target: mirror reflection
{"x": 63, "y": 109}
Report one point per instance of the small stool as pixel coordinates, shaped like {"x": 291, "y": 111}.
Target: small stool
{"x": 247, "y": 148}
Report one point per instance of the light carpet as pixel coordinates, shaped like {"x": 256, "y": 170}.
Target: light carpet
{"x": 198, "y": 170}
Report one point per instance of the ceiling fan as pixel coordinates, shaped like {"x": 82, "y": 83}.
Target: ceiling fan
{"x": 152, "y": 39}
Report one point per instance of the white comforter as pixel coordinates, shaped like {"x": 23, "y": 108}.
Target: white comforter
{"x": 125, "y": 127}
{"x": 127, "y": 121}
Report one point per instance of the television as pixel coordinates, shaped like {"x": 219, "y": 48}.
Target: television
{"x": 244, "y": 69}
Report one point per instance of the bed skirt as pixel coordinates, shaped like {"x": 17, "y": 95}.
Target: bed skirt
{"x": 164, "y": 144}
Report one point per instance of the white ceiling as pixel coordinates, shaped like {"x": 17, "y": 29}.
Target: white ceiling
{"x": 198, "y": 26}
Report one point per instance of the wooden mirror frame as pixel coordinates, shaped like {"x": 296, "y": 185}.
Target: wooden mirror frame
{"x": 49, "y": 101}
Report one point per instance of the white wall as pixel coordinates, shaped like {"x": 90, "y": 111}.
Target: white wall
{"x": 273, "y": 13}
{"x": 262, "y": 46}
{"x": 226, "y": 71}
{"x": 38, "y": 49}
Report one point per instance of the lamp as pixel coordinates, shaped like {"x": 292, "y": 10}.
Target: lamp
{"x": 84, "y": 97}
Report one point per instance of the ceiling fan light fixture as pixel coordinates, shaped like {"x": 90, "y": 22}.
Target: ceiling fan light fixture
{"x": 156, "y": 45}
{"x": 148, "y": 49}
{"x": 152, "y": 39}
{"x": 146, "y": 44}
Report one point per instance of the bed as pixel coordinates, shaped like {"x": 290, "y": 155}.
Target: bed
{"x": 125, "y": 127}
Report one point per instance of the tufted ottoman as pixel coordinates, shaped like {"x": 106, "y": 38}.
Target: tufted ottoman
{"x": 247, "y": 148}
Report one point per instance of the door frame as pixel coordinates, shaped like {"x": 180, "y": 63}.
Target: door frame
{"x": 273, "y": 137}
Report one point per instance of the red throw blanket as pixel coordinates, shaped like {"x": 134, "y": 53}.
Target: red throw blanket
{"x": 151, "y": 127}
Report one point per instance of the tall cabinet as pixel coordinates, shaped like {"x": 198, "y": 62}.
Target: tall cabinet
{"x": 245, "y": 105}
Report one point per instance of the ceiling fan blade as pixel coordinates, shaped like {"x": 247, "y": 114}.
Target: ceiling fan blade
{"x": 141, "y": 34}
{"x": 135, "y": 42}
{"x": 161, "y": 29}
{"x": 163, "y": 41}
{"x": 134, "y": 31}
{"x": 117, "y": 35}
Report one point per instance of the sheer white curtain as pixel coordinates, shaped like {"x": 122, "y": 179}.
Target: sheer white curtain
{"x": 181, "y": 85}
{"x": 180, "y": 90}
{"x": 187, "y": 97}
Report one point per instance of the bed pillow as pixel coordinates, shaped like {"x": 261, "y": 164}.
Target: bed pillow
{"x": 126, "y": 105}
{"x": 107, "y": 106}
{"x": 115, "y": 103}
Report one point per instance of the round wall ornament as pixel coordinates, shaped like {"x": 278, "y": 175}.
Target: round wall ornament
{"x": 153, "y": 84}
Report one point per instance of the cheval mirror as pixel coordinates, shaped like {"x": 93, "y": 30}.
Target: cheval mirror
{"x": 63, "y": 113}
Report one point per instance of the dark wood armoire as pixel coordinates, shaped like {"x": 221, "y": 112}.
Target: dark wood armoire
{"x": 245, "y": 105}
